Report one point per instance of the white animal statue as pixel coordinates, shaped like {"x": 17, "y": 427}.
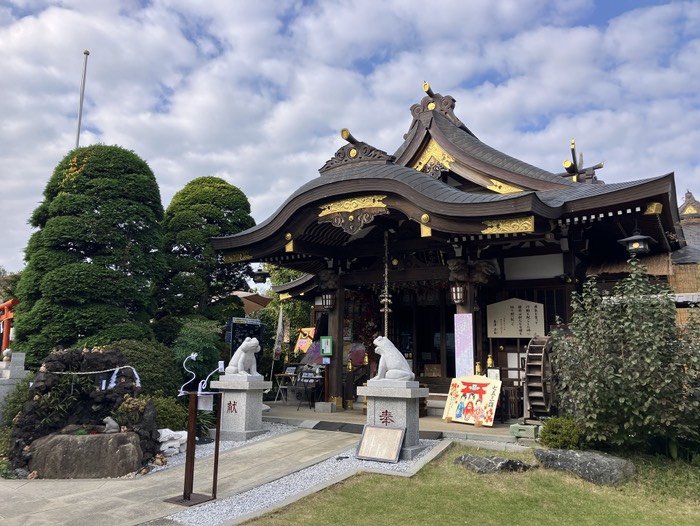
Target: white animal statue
{"x": 243, "y": 360}
{"x": 110, "y": 425}
{"x": 392, "y": 364}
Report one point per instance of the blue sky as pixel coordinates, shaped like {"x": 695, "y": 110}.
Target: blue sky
{"x": 256, "y": 92}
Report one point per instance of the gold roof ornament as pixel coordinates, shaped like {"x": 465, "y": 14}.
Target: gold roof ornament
{"x": 355, "y": 152}
{"x": 515, "y": 225}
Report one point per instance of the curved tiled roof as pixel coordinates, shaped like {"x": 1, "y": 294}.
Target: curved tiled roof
{"x": 381, "y": 178}
{"x": 473, "y": 147}
{"x": 557, "y": 198}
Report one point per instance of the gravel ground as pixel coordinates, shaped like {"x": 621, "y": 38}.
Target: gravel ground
{"x": 295, "y": 484}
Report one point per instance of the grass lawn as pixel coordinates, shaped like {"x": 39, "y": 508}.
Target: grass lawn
{"x": 444, "y": 493}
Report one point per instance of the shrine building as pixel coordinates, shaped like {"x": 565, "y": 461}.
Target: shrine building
{"x": 456, "y": 251}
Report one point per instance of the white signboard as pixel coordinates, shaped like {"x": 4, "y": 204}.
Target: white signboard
{"x": 515, "y": 318}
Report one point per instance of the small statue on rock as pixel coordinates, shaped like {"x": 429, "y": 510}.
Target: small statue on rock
{"x": 392, "y": 364}
{"x": 110, "y": 425}
{"x": 243, "y": 360}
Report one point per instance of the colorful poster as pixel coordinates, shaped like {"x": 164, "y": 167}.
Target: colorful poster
{"x": 306, "y": 337}
{"x": 472, "y": 400}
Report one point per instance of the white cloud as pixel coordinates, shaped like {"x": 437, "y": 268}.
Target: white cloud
{"x": 256, "y": 92}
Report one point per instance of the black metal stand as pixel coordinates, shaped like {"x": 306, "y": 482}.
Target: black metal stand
{"x": 188, "y": 498}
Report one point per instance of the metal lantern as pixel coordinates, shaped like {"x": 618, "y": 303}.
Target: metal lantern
{"x": 458, "y": 295}
{"x": 328, "y": 300}
{"x": 636, "y": 243}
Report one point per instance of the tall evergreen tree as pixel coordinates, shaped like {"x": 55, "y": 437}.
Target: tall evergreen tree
{"x": 96, "y": 254}
{"x": 198, "y": 280}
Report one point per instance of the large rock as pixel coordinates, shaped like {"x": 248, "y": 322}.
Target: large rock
{"x": 485, "y": 465}
{"x": 67, "y": 390}
{"x": 85, "y": 456}
{"x": 593, "y": 466}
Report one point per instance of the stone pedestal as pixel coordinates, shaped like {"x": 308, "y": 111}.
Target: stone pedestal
{"x": 242, "y": 399}
{"x": 11, "y": 372}
{"x": 392, "y": 403}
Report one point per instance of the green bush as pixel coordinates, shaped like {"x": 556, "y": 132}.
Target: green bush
{"x": 624, "y": 371}
{"x": 154, "y": 364}
{"x": 130, "y": 412}
{"x": 201, "y": 336}
{"x": 4, "y": 442}
{"x": 206, "y": 422}
{"x": 15, "y": 400}
{"x": 170, "y": 413}
{"x": 561, "y": 433}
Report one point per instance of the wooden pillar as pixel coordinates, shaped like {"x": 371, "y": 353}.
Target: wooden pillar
{"x": 335, "y": 330}
{"x": 468, "y": 305}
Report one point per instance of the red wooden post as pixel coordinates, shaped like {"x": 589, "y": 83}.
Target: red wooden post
{"x": 6, "y": 318}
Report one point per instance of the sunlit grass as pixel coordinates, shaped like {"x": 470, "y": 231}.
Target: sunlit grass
{"x": 444, "y": 493}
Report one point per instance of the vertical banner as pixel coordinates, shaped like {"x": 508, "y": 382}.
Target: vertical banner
{"x": 279, "y": 337}
{"x": 464, "y": 345}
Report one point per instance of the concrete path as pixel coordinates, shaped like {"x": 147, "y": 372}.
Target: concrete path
{"x": 123, "y": 502}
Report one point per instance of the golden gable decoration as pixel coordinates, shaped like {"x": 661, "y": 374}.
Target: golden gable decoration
{"x": 514, "y": 225}
{"x": 352, "y": 214}
{"x": 434, "y": 160}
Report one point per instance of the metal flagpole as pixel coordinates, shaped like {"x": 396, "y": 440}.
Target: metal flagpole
{"x": 82, "y": 95}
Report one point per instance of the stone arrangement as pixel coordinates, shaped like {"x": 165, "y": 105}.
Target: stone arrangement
{"x": 71, "y": 456}
{"x": 486, "y": 465}
{"x": 593, "y": 466}
{"x": 67, "y": 394}
{"x": 171, "y": 442}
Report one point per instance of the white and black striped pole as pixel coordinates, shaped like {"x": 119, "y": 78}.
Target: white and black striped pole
{"x": 82, "y": 96}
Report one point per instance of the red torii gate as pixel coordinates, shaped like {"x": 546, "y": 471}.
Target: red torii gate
{"x": 6, "y": 316}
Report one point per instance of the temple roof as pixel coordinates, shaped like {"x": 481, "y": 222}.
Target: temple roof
{"x": 690, "y": 206}
{"x": 476, "y": 154}
{"x": 443, "y": 187}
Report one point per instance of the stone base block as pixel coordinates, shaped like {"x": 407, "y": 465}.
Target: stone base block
{"x": 405, "y": 384}
{"x": 409, "y": 453}
{"x": 523, "y": 431}
{"x": 242, "y": 406}
{"x": 325, "y": 407}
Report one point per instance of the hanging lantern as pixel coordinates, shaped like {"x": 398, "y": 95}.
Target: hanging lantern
{"x": 636, "y": 243}
{"x": 328, "y": 300}
{"x": 458, "y": 293}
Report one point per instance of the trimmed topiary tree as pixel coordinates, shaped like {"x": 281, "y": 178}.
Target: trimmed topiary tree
{"x": 198, "y": 281}
{"x": 95, "y": 256}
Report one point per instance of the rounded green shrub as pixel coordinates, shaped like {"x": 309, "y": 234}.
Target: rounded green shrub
{"x": 561, "y": 433}
{"x": 154, "y": 363}
{"x": 170, "y": 413}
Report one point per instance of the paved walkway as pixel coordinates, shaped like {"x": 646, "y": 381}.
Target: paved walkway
{"x": 123, "y": 502}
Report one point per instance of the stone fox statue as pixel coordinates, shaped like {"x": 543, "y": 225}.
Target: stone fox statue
{"x": 392, "y": 364}
{"x": 243, "y": 360}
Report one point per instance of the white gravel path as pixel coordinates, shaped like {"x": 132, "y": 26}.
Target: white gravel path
{"x": 234, "y": 509}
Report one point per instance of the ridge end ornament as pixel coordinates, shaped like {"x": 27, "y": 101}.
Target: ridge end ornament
{"x": 355, "y": 152}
